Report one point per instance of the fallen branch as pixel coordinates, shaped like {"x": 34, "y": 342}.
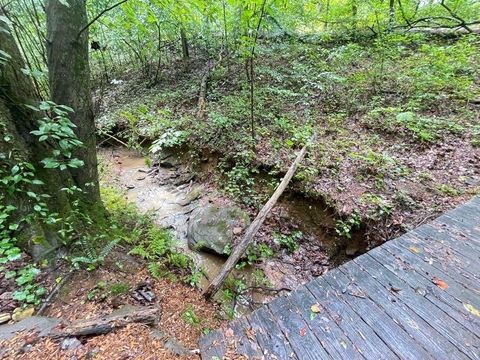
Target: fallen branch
{"x": 254, "y": 227}
{"x": 202, "y": 103}
{"x": 106, "y": 324}
{"x": 52, "y": 295}
{"x": 203, "y": 90}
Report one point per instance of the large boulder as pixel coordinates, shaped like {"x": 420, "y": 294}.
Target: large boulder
{"x": 211, "y": 228}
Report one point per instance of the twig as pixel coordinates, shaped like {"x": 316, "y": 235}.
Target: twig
{"x": 54, "y": 293}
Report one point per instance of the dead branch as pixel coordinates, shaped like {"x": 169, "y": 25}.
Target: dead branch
{"x": 106, "y": 324}
{"x": 99, "y": 16}
{"x": 53, "y": 294}
{"x": 254, "y": 227}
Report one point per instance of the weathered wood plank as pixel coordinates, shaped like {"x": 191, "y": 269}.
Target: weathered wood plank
{"x": 303, "y": 342}
{"x": 212, "y": 345}
{"x": 436, "y": 236}
{"x": 440, "y": 298}
{"x": 323, "y": 327}
{"x": 441, "y": 257}
{"x": 443, "y": 300}
{"x": 456, "y": 288}
{"x": 270, "y": 336}
{"x": 471, "y": 233}
{"x": 362, "y": 336}
{"x": 245, "y": 343}
{"x": 458, "y": 335}
{"x": 402, "y": 305}
{"x": 390, "y": 332}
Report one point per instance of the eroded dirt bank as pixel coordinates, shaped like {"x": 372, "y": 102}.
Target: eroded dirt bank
{"x": 172, "y": 189}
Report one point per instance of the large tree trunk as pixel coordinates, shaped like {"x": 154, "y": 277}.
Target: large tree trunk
{"x": 17, "y": 145}
{"x": 69, "y": 77}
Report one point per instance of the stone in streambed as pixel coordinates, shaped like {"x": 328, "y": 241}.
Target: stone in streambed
{"x": 211, "y": 228}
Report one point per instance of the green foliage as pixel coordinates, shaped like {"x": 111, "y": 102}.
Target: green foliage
{"x": 29, "y": 291}
{"x": 345, "y": 227}
{"x": 190, "y": 317}
{"x": 428, "y": 129}
{"x": 288, "y": 241}
{"x": 169, "y": 139}
{"x": 119, "y": 288}
{"x": 57, "y": 129}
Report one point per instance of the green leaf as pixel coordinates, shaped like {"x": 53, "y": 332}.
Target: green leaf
{"x": 64, "y": 2}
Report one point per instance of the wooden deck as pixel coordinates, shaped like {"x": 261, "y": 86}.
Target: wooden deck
{"x": 415, "y": 297}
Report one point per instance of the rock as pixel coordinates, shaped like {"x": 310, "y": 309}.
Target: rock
{"x": 70, "y": 343}
{"x": 7, "y": 295}
{"x": 21, "y": 314}
{"x": 211, "y": 227}
{"x": 352, "y": 250}
{"x": 5, "y": 317}
{"x": 170, "y": 343}
{"x": 42, "y": 324}
{"x": 237, "y": 230}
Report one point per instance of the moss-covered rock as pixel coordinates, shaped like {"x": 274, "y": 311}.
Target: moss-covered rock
{"x": 212, "y": 228}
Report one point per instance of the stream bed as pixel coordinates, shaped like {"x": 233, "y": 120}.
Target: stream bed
{"x": 171, "y": 190}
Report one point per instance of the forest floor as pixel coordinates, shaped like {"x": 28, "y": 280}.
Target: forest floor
{"x": 397, "y": 123}
{"x": 398, "y": 142}
{"x": 185, "y": 316}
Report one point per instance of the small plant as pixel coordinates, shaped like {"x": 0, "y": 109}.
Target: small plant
{"x": 119, "y": 288}
{"x": 57, "y": 128}
{"x": 30, "y": 292}
{"x": 190, "y": 317}
{"x": 448, "y": 190}
{"x": 170, "y": 139}
{"x": 290, "y": 242}
{"x": 345, "y": 227}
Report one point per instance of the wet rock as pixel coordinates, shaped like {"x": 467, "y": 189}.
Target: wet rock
{"x": 21, "y": 314}
{"x": 5, "y": 317}
{"x": 70, "y": 343}
{"x": 210, "y": 228}
{"x": 352, "y": 250}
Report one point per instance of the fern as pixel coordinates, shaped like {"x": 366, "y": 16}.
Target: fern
{"x": 107, "y": 249}
{"x": 155, "y": 270}
{"x": 140, "y": 251}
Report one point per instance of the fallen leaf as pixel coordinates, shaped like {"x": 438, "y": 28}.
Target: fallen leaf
{"x": 472, "y": 309}
{"x": 315, "y": 308}
{"x": 415, "y": 250}
{"x": 303, "y": 332}
{"x": 440, "y": 283}
{"x": 250, "y": 334}
{"x": 229, "y": 333}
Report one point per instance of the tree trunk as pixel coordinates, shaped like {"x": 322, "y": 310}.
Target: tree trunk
{"x": 18, "y": 145}
{"x": 391, "y": 17}
{"x": 69, "y": 78}
{"x": 185, "y": 50}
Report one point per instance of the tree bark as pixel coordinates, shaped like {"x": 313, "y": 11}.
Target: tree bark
{"x": 185, "y": 49}
{"x": 17, "y": 145}
{"x": 106, "y": 324}
{"x": 69, "y": 78}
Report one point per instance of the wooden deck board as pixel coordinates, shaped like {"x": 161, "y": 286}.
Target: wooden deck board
{"x": 414, "y": 297}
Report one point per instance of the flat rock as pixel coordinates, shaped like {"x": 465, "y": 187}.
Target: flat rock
{"x": 42, "y": 324}
{"x": 70, "y": 343}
